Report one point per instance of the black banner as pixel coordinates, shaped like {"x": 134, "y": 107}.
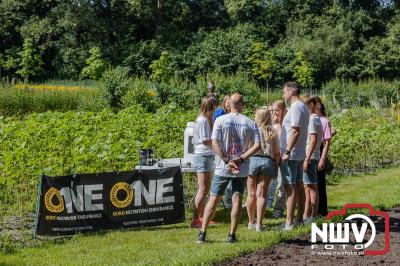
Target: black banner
{"x": 89, "y": 202}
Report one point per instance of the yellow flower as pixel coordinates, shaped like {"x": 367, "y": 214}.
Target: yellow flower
{"x": 47, "y": 87}
{"x": 151, "y": 93}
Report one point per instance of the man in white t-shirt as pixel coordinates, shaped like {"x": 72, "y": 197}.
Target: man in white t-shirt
{"x": 235, "y": 138}
{"x": 293, "y": 147}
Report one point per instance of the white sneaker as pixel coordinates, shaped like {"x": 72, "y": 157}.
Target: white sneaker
{"x": 260, "y": 228}
{"x": 287, "y": 227}
{"x": 308, "y": 220}
{"x": 251, "y": 226}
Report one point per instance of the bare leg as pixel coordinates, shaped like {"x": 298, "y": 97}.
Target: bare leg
{"x": 262, "y": 187}
{"x": 307, "y": 207}
{"x": 203, "y": 181}
{"x": 236, "y": 212}
{"x": 251, "y": 198}
{"x": 313, "y": 199}
{"x": 290, "y": 203}
{"x": 299, "y": 187}
{"x": 209, "y": 211}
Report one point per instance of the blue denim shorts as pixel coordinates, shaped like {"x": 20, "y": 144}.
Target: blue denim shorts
{"x": 262, "y": 166}
{"x": 203, "y": 163}
{"x": 219, "y": 184}
{"x": 292, "y": 172}
{"x": 310, "y": 176}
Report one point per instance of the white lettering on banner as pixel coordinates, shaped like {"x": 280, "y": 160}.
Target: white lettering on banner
{"x": 161, "y": 190}
{"x": 83, "y": 196}
{"x": 90, "y": 196}
{"x": 70, "y": 197}
{"x": 82, "y": 199}
{"x": 140, "y": 189}
{"x": 155, "y": 193}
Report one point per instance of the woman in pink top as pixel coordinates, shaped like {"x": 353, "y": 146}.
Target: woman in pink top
{"x": 326, "y": 141}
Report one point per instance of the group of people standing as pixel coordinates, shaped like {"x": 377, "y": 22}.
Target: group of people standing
{"x": 290, "y": 145}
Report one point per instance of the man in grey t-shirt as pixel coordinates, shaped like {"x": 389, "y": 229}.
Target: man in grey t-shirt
{"x": 235, "y": 138}
{"x": 293, "y": 145}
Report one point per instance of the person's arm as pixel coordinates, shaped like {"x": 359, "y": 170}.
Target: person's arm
{"x": 217, "y": 149}
{"x": 207, "y": 142}
{"x": 322, "y": 160}
{"x": 216, "y": 137}
{"x": 237, "y": 161}
{"x": 294, "y": 136}
{"x": 327, "y": 143}
{"x": 205, "y": 133}
{"x": 252, "y": 150}
{"x": 313, "y": 144}
{"x": 277, "y": 153}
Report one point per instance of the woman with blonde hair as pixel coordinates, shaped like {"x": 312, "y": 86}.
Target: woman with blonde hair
{"x": 278, "y": 113}
{"x": 203, "y": 156}
{"x": 263, "y": 167}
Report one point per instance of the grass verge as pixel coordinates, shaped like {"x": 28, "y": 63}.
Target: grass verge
{"x": 174, "y": 245}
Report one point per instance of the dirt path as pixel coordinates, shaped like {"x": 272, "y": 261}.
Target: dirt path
{"x": 298, "y": 251}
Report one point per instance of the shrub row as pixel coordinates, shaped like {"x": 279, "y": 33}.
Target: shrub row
{"x": 365, "y": 139}
{"x": 117, "y": 90}
{"x": 372, "y": 93}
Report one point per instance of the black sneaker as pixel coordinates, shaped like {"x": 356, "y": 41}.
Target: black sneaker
{"x": 201, "y": 239}
{"x": 231, "y": 239}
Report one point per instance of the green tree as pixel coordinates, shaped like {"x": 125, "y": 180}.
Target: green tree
{"x": 222, "y": 50}
{"x": 114, "y": 85}
{"x": 31, "y": 62}
{"x": 162, "y": 68}
{"x": 303, "y": 72}
{"x": 243, "y": 10}
{"x": 263, "y": 63}
{"x": 95, "y": 64}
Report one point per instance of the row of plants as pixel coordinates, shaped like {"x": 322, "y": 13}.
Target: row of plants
{"x": 371, "y": 93}
{"x": 366, "y": 139}
{"x": 118, "y": 90}
{"x": 23, "y": 99}
{"x": 53, "y": 142}
{"x": 108, "y": 141}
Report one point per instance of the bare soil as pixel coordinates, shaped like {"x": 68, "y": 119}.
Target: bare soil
{"x": 298, "y": 251}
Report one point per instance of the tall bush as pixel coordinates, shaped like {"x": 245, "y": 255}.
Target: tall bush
{"x": 114, "y": 84}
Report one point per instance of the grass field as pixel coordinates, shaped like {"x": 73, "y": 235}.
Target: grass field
{"x": 175, "y": 245}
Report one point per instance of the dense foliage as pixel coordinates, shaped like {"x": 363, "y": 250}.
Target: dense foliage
{"x": 23, "y": 99}
{"x": 366, "y": 139}
{"x": 117, "y": 90}
{"x": 109, "y": 141}
{"x": 311, "y": 41}
{"x": 95, "y": 142}
{"x": 372, "y": 93}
